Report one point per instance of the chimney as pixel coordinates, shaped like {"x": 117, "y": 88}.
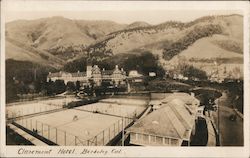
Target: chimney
{"x": 192, "y": 94}
{"x": 78, "y": 71}
{"x": 116, "y": 66}
{"x": 122, "y": 69}
{"x": 49, "y": 72}
{"x": 103, "y": 69}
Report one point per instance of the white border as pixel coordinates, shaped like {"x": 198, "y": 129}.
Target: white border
{"x": 99, "y": 5}
{"x": 2, "y": 81}
{"x": 11, "y": 151}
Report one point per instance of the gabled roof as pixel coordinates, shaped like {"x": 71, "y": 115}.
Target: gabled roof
{"x": 96, "y": 69}
{"x": 172, "y": 120}
{"x": 57, "y": 74}
{"x": 183, "y": 114}
{"x": 110, "y": 72}
{"x": 185, "y": 97}
{"x": 60, "y": 74}
{"x": 107, "y": 72}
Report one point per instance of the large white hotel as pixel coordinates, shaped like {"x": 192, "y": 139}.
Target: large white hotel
{"x": 93, "y": 73}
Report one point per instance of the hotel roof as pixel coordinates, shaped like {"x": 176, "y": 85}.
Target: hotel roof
{"x": 107, "y": 72}
{"x": 62, "y": 73}
{"x": 95, "y": 69}
{"x": 57, "y": 74}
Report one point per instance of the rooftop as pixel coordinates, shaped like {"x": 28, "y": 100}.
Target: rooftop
{"x": 57, "y": 74}
{"x": 62, "y": 73}
{"x": 95, "y": 69}
{"x": 172, "y": 120}
{"x": 185, "y": 97}
{"x": 79, "y": 74}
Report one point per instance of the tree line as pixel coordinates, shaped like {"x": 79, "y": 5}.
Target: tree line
{"x": 144, "y": 62}
{"x": 195, "y": 34}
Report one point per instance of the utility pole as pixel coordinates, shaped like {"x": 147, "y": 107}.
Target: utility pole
{"x": 219, "y": 120}
{"x": 218, "y": 113}
{"x": 35, "y": 74}
{"x": 122, "y": 131}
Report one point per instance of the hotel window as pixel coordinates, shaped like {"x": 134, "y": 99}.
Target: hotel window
{"x": 133, "y": 136}
{"x": 159, "y": 140}
{"x": 139, "y": 136}
{"x": 174, "y": 141}
{"x": 166, "y": 140}
{"x": 152, "y": 139}
{"x": 145, "y": 138}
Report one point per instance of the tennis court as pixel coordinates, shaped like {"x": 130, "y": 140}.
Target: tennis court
{"x": 32, "y": 107}
{"x": 87, "y": 125}
{"x": 75, "y": 127}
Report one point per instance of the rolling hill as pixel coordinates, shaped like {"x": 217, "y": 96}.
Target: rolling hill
{"x": 202, "y": 40}
{"x": 59, "y": 36}
{"x": 167, "y": 35}
{"x": 60, "y": 41}
{"x": 23, "y": 52}
{"x": 137, "y": 24}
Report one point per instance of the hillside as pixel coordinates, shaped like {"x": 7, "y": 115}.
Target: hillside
{"x": 22, "y": 52}
{"x": 171, "y": 35}
{"x": 228, "y": 59}
{"x": 137, "y": 24}
{"x": 22, "y": 55}
{"x": 226, "y": 49}
{"x": 214, "y": 48}
{"x": 199, "y": 41}
{"x": 61, "y": 41}
{"x": 59, "y": 36}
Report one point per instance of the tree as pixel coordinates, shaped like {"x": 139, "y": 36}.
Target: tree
{"x": 11, "y": 91}
{"x": 192, "y": 72}
{"x": 71, "y": 86}
{"x": 26, "y": 75}
{"x": 49, "y": 87}
{"x": 198, "y": 32}
{"x": 144, "y": 62}
{"x": 59, "y": 87}
{"x": 88, "y": 90}
{"x": 76, "y": 65}
{"x": 78, "y": 85}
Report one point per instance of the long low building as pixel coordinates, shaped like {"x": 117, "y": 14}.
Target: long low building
{"x": 171, "y": 124}
{"x": 93, "y": 73}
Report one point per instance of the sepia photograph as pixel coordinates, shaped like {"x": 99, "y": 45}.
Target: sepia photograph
{"x": 123, "y": 74}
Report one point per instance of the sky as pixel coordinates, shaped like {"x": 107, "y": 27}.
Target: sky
{"x": 124, "y": 12}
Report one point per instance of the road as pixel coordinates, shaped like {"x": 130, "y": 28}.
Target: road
{"x": 231, "y": 132}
